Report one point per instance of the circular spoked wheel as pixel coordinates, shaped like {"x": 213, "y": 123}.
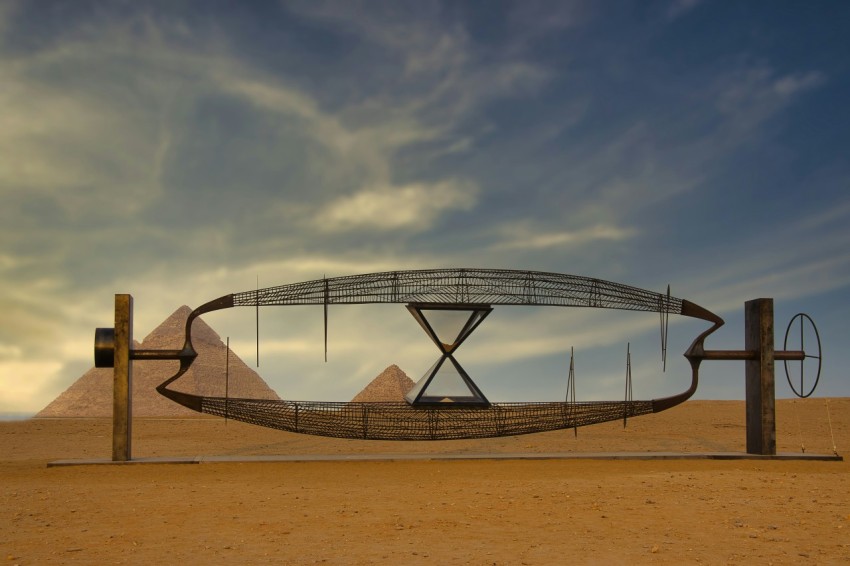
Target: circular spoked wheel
{"x": 801, "y": 332}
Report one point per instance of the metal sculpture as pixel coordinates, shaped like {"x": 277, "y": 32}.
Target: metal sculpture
{"x": 805, "y": 321}
{"x": 467, "y": 295}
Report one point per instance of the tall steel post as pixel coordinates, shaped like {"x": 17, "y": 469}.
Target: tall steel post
{"x": 122, "y": 380}
{"x": 761, "y": 391}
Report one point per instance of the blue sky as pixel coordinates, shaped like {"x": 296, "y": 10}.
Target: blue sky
{"x": 179, "y": 151}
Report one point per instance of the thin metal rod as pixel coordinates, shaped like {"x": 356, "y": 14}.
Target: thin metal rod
{"x": 571, "y": 391}
{"x": 227, "y": 380}
{"x": 257, "y": 317}
{"x": 744, "y": 355}
{"x": 832, "y": 434}
{"x": 802, "y": 347}
{"x": 664, "y": 313}
{"x": 628, "y": 383}
{"x": 326, "y": 319}
{"x": 156, "y": 354}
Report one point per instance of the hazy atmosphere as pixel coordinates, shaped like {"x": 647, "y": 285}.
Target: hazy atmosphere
{"x": 179, "y": 151}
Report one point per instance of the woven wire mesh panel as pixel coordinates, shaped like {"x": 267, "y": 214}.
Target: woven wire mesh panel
{"x": 463, "y": 286}
{"x": 400, "y": 421}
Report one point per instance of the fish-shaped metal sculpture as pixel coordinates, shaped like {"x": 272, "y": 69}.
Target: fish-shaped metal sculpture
{"x": 461, "y": 290}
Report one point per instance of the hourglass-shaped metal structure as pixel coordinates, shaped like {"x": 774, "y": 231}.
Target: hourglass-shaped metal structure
{"x": 446, "y": 382}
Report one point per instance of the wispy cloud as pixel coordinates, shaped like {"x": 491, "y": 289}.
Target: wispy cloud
{"x": 524, "y": 236}
{"x": 412, "y": 207}
{"x": 751, "y": 94}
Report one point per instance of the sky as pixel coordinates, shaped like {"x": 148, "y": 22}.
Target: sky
{"x": 180, "y": 151}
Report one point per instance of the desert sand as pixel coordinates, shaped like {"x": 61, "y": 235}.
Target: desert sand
{"x": 510, "y": 511}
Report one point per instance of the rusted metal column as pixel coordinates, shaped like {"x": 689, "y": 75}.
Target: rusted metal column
{"x": 122, "y": 380}
{"x": 761, "y": 392}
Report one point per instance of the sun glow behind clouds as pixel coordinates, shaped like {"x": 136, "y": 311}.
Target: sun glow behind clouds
{"x": 28, "y": 386}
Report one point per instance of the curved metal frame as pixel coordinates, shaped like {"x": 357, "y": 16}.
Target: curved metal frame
{"x": 399, "y": 421}
{"x": 803, "y": 318}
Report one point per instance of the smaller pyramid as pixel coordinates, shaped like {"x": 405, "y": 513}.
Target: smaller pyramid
{"x": 392, "y": 384}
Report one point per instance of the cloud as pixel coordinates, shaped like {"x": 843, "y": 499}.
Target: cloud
{"x": 414, "y": 207}
{"x": 790, "y": 85}
{"x": 783, "y": 278}
{"x": 359, "y": 142}
{"x": 147, "y": 168}
{"x": 428, "y": 64}
{"x": 69, "y": 148}
{"x": 525, "y": 237}
{"x": 414, "y": 35}
{"x": 807, "y": 258}
{"x": 748, "y": 96}
{"x": 832, "y": 219}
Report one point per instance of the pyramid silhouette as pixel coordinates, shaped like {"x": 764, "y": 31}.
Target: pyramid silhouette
{"x": 91, "y": 394}
{"x": 390, "y": 385}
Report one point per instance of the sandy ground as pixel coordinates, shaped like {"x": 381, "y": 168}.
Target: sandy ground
{"x": 431, "y": 512}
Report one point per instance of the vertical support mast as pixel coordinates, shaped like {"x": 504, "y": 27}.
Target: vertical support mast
{"x": 761, "y": 394}
{"x": 122, "y": 380}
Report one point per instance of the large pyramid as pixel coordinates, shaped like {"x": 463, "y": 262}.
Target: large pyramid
{"x": 391, "y": 385}
{"x": 91, "y": 394}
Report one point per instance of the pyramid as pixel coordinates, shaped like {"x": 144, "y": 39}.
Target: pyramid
{"x": 91, "y": 394}
{"x": 390, "y": 385}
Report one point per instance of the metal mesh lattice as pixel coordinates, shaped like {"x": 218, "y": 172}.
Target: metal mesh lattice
{"x": 400, "y": 421}
{"x": 462, "y": 287}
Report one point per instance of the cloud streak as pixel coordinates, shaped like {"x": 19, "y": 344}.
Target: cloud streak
{"x": 526, "y": 237}
{"x": 413, "y": 207}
